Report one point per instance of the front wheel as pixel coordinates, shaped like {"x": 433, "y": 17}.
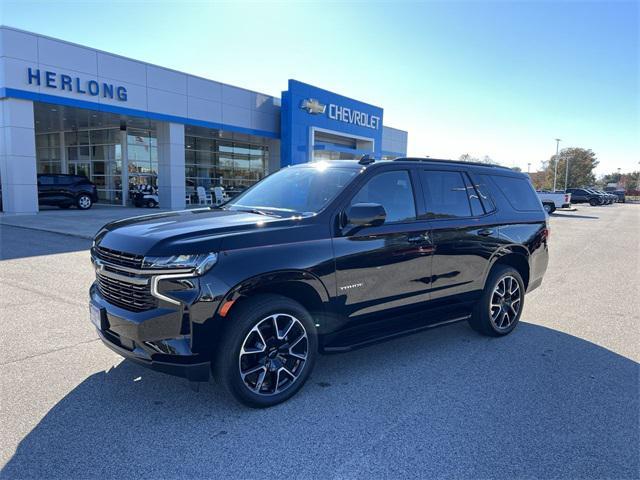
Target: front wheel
{"x": 267, "y": 352}
{"x": 498, "y": 311}
{"x": 593, "y": 202}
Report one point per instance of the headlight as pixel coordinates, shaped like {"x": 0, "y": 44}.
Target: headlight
{"x": 201, "y": 263}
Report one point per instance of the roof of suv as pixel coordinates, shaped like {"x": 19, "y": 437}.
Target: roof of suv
{"x": 412, "y": 160}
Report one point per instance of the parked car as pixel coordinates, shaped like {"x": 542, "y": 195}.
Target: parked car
{"x": 319, "y": 257}
{"x": 552, "y": 201}
{"x": 620, "y": 195}
{"x": 65, "y": 191}
{"x": 609, "y": 198}
{"x": 583, "y": 195}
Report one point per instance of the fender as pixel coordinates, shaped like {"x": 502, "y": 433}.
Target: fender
{"x": 501, "y": 252}
{"x": 277, "y": 276}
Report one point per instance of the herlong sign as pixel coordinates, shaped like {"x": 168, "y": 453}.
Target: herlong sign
{"x": 67, "y": 83}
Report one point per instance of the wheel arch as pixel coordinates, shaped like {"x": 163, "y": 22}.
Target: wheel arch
{"x": 299, "y": 285}
{"x": 515, "y": 256}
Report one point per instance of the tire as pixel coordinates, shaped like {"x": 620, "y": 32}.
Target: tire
{"x": 152, "y": 203}
{"x": 278, "y": 375}
{"x": 593, "y": 202}
{"x": 549, "y": 208}
{"x": 483, "y": 319}
{"x": 84, "y": 202}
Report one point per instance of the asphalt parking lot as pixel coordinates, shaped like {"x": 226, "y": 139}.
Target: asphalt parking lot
{"x": 559, "y": 398}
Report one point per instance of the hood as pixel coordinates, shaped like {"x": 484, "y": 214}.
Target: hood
{"x": 183, "y": 232}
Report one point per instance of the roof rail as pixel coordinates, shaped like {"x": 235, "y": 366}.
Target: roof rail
{"x": 437, "y": 160}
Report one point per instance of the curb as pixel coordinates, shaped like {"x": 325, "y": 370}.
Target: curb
{"x": 36, "y": 229}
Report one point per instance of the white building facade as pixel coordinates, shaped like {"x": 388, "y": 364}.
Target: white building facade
{"x": 66, "y": 108}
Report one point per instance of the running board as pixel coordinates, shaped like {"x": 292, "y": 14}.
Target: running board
{"x": 391, "y": 336}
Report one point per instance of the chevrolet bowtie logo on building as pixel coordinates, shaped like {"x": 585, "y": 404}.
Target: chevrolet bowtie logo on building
{"x": 313, "y": 106}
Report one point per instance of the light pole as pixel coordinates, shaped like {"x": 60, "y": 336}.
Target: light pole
{"x": 529, "y": 167}
{"x": 555, "y": 169}
{"x": 566, "y": 175}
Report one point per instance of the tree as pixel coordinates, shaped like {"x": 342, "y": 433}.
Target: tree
{"x": 465, "y": 157}
{"x": 627, "y": 181}
{"x": 582, "y": 162}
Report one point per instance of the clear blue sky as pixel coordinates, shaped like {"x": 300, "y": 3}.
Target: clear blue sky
{"x": 500, "y": 79}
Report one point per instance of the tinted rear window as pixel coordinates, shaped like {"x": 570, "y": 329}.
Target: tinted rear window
{"x": 519, "y": 193}
{"x": 445, "y": 194}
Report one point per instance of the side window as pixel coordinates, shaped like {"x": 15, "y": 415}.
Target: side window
{"x": 45, "y": 180}
{"x": 519, "y": 193}
{"x": 63, "y": 180}
{"x": 393, "y": 191}
{"x": 445, "y": 194}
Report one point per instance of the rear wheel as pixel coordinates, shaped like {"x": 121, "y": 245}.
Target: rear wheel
{"x": 498, "y": 311}
{"x": 151, "y": 203}
{"x": 84, "y": 202}
{"x": 549, "y": 208}
{"x": 267, "y": 351}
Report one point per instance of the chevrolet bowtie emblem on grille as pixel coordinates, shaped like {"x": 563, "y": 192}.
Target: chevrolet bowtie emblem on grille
{"x": 313, "y": 106}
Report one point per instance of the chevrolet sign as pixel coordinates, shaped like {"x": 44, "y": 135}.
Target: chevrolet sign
{"x": 342, "y": 114}
{"x": 313, "y": 106}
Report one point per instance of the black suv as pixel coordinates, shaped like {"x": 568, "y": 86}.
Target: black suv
{"x": 583, "y": 195}
{"x": 66, "y": 190}
{"x": 320, "y": 257}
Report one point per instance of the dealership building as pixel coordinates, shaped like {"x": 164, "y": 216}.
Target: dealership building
{"x": 67, "y": 108}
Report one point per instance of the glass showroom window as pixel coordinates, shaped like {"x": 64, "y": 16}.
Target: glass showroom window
{"x": 241, "y": 165}
{"x": 142, "y": 156}
{"x": 97, "y": 154}
{"x": 211, "y": 163}
{"x": 48, "y": 153}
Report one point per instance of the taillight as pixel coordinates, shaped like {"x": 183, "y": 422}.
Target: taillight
{"x": 566, "y": 199}
{"x": 546, "y": 232}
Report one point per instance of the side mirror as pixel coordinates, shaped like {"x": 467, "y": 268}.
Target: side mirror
{"x": 366, "y": 215}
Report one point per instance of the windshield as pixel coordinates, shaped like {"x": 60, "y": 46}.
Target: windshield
{"x": 298, "y": 190}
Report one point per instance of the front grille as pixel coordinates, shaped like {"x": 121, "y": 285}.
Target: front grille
{"x": 119, "y": 258}
{"x": 130, "y": 296}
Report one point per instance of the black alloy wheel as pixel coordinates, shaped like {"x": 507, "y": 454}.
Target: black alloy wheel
{"x": 273, "y": 354}
{"x": 499, "y": 309}
{"x": 267, "y": 351}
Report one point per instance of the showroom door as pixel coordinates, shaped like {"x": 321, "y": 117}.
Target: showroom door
{"x": 80, "y": 168}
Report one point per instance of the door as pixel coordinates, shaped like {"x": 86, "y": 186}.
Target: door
{"x": 387, "y": 266}
{"x": 464, "y": 233}
{"x": 65, "y": 189}
{"x": 46, "y": 190}
{"x": 80, "y": 168}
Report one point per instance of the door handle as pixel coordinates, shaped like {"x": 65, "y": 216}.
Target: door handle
{"x": 418, "y": 238}
{"x": 485, "y": 232}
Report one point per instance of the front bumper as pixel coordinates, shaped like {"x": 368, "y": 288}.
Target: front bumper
{"x": 195, "y": 372}
{"x": 155, "y": 339}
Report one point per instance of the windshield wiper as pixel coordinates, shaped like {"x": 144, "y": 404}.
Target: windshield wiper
{"x": 255, "y": 210}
